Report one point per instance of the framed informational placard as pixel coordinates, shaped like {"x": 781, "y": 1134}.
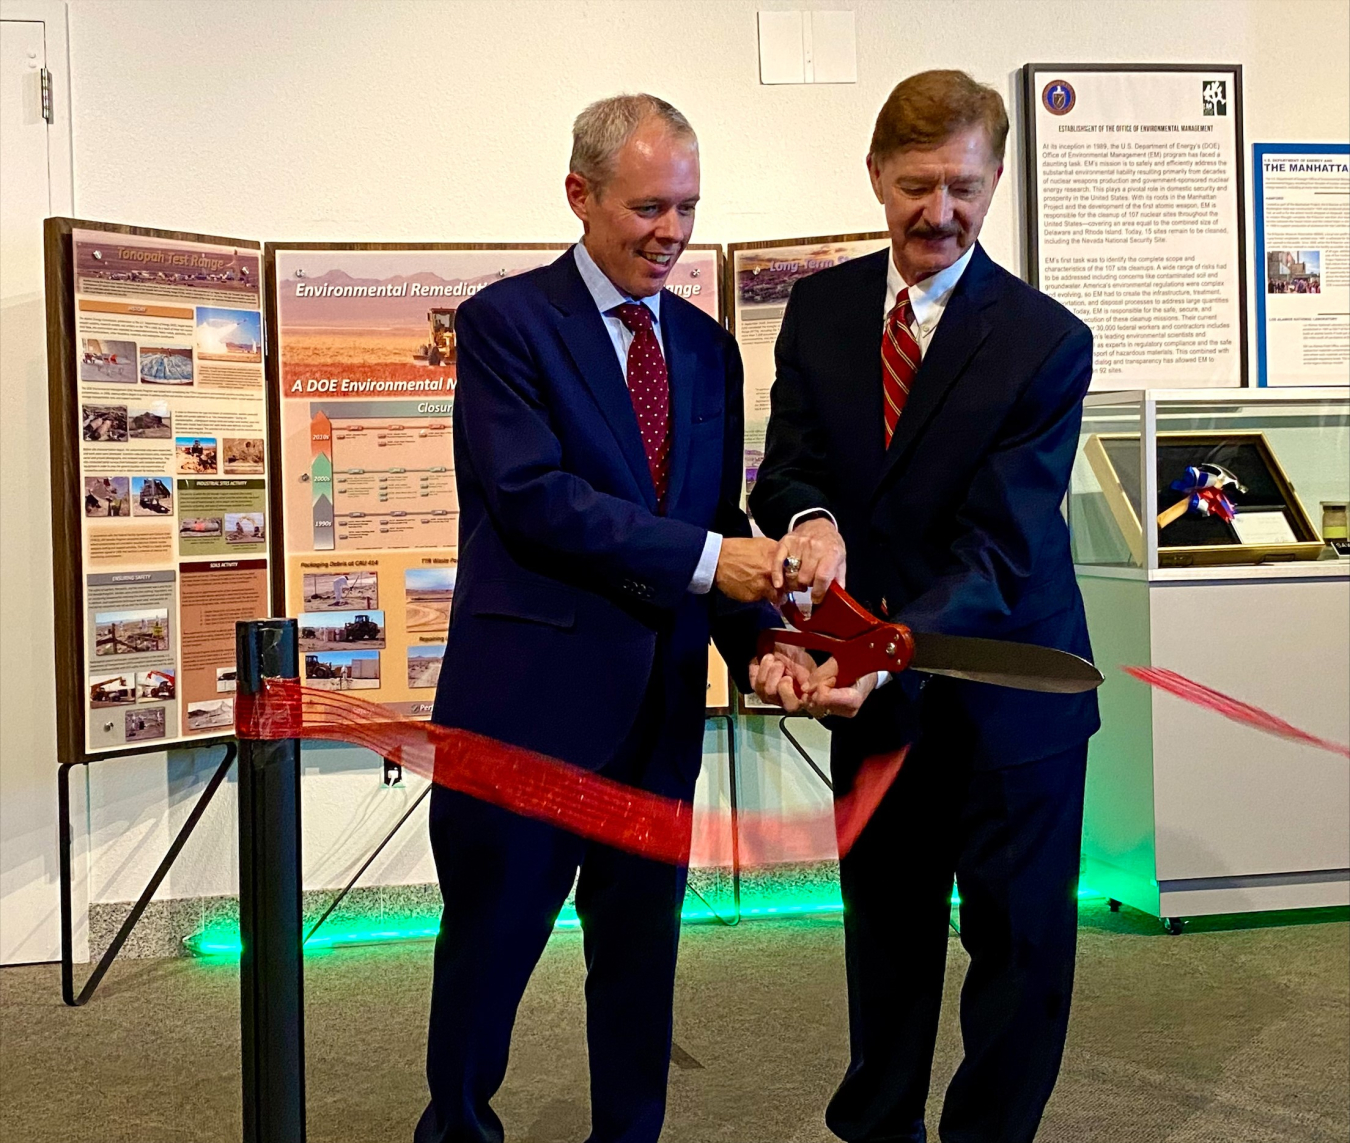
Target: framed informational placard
{"x": 1135, "y": 218}
{"x": 760, "y": 276}
{"x": 362, "y": 365}
{"x": 159, "y": 480}
{"x": 1302, "y": 217}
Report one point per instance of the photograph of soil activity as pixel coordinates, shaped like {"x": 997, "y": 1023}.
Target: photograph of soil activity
{"x": 103, "y": 422}
{"x": 210, "y": 715}
{"x": 151, "y": 496}
{"x": 229, "y": 335}
{"x": 244, "y": 528}
{"x": 341, "y": 631}
{"x": 106, "y": 496}
{"x": 195, "y": 454}
{"x": 193, "y": 526}
{"x": 243, "y": 455}
{"x": 429, "y": 592}
{"x": 131, "y": 632}
{"x": 111, "y": 690}
{"x": 343, "y": 670}
{"x": 145, "y": 724}
{"x": 155, "y": 686}
{"x": 150, "y": 422}
{"x": 113, "y": 362}
{"x": 166, "y": 364}
{"x": 424, "y": 665}
{"x": 227, "y": 680}
{"x": 388, "y": 314}
{"x": 340, "y": 590}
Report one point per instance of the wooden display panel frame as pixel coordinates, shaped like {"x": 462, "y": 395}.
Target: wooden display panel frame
{"x": 67, "y": 522}
{"x": 749, "y": 704}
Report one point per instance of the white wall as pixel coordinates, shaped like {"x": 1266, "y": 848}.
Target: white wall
{"x": 292, "y": 119}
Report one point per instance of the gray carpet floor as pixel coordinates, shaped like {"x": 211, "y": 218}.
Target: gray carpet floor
{"x": 1237, "y": 1031}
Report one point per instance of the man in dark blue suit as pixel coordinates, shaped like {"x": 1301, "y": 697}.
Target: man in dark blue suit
{"x": 924, "y": 422}
{"x": 598, "y": 453}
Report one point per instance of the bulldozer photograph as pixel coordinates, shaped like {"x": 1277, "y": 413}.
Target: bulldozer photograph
{"x": 440, "y": 350}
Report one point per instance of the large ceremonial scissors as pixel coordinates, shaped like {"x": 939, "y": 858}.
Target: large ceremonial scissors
{"x": 861, "y": 643}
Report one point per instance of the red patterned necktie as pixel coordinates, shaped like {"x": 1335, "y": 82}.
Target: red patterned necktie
{"x": 899, "y": 361}
{"x": 649, "y": 388}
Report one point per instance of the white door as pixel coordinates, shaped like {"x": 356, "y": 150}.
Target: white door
{"x": 29, "y": 905}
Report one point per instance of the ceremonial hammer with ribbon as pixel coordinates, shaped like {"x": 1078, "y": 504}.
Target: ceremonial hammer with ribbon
{"x": 861, "y": 643}
{"x": 1206, "y": 492}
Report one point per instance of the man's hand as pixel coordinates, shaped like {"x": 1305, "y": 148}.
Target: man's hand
{"x": 820, "y": 547}
{"x": 779, "y": 677}
{"x": 821, "y": 697}
{"x": 745, "y": 568}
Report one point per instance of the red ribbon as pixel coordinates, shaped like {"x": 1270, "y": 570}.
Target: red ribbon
{"x": 563, "y": 795}
{"x": 1231, "y": 708}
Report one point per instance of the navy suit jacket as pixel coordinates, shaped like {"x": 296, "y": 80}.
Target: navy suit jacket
{"x": 956, "y": 527}
{"x": 569, "y": 583}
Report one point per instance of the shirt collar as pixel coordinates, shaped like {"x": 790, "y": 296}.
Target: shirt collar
{"x": 928, "y": 298}
{"x": 605, "y": 293}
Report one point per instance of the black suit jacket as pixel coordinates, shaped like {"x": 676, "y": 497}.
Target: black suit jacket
{"x": 956, "y": 527}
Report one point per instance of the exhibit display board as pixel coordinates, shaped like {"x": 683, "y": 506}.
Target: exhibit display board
{"x": 1302, "y": 216}
{"x": 159, "y": 480}
{"x": 760, "y": 276}
{"x": 362, "y": 359}
{"x": 1135, "y": 219}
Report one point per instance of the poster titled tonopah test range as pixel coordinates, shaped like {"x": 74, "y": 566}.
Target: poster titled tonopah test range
{"x": 165, "y": 451}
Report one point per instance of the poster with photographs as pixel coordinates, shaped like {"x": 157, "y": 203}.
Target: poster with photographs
{"x": 1135, "y": 222}
{"x": 162, "y": 535}
{"x": 1302, "y": 216}
{"x": 363, "y": 370}
{"x": 760, "y": 276}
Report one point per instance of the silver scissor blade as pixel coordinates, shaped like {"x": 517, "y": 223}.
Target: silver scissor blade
{"x": 1021, "y": 665}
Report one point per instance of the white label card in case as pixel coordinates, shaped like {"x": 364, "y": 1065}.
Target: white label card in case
{"x": 1263, "y": 527}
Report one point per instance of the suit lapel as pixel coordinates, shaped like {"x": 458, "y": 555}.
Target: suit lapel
{"x": 960, "y": 332}
{"x": 682, "y": 370}
{"x": 583, "y": 333}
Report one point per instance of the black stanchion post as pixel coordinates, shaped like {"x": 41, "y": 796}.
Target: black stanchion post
{"x": 271, "y": 970}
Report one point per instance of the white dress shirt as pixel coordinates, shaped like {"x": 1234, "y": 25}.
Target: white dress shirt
{"x": 607, "y": 296}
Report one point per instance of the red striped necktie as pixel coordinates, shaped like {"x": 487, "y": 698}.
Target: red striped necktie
{"x": 649, "y": 388}
{"x": 899, "y": 361}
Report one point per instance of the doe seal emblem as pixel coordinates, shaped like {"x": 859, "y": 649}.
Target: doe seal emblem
{"x": 1058, "y": 97}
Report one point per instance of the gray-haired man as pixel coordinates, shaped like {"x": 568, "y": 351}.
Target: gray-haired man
{"x": 598, "y": 456}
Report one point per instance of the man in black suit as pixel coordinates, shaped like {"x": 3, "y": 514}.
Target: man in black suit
{"x": 924, "y": 422}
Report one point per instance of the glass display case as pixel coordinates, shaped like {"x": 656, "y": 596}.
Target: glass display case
{"x": 1206, "y": 527}
{"x": 1186, "y": 478}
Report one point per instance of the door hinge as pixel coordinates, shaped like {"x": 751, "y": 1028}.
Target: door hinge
{"x": 46, "y": 77}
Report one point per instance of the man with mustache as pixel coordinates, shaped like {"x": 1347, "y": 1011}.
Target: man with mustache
{"x": 598, "y": 454}
{"x": 924, "y": 422}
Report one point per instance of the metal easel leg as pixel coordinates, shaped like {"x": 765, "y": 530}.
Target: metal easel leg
{"x": 67, "y": 842}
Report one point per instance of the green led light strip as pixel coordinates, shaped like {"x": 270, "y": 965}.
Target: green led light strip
{"x": 221, "y": 941}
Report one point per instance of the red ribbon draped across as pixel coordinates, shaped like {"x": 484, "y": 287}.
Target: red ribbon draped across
{"x": 567, "y": 796}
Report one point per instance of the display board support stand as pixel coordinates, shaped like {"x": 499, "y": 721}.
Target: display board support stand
{"x": 735, "y": 824}
{"x": 806, "y": 755}
{"x": 67, "y": 844}
{"x": 271, "y": 963}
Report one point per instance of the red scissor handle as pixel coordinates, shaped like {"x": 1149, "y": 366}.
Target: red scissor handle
{"x": 840, "y": 626}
